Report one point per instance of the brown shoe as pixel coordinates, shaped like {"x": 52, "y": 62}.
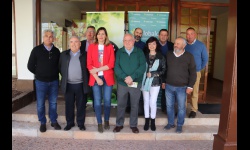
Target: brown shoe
{"x": 134, "y": 129}
{"x": 117, "y": 128}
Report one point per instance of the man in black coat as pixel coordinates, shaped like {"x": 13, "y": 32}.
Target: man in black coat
{"x": 43, "y": 63}
{"x": 74, "y": 83}
{"x": 165, "y": 47}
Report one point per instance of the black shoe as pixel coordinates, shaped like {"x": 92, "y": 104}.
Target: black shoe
{"x": 43, "y": 128}
{"x": 68, "y": 127}
{"x": 56, "y": 126}
{"x": 192, "y": 114}
{"x": 82, "y": 127}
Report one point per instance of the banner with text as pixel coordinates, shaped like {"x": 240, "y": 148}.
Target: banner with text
{"x": 149, "y": 22}
{"x": 112, "y": 21}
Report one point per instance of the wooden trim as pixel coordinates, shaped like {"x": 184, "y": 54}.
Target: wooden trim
{"x": 173, "y": 20}
{"x": 38, "y": 22}
{"x": 14, "y": 15}
{"x": 103, "y": 5}
{"x": 226, "y": 138}
{"x": 97, "y": 6}
{"x": 205, "y": 3}
{"x": 214, "y": 44}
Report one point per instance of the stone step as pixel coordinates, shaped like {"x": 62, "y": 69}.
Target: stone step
{"x": 190, "y": 132}
{"x": 29, "y": 114}
{"x": 91, "y": 120}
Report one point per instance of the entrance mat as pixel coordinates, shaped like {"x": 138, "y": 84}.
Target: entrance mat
{"x": 209, "y": 108}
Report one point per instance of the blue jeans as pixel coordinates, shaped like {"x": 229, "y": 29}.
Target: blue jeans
{"x": 49, "y": 89}
{"x": 97, "y": 93}
{"x": 178, "y": 94}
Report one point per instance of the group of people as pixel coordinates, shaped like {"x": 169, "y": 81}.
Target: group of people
{"x": 89, "y": 68}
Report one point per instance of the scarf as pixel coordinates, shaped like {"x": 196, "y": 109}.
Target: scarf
{"x": 146, "y": 82}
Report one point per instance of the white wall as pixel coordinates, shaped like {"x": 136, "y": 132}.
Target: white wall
{"x": 220, "y": 47}
{"x": 25, "y": 35}
{"x": 59, "y": 11}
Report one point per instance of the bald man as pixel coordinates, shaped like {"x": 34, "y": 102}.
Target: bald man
{"x": 130, "y": 65}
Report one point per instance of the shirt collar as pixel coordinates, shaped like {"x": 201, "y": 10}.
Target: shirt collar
{"x": 48, "y": 48}
{"x": 180, "y": 54}
{"x": 163, "y": 44}
{"x": 193, "y": 42}
{"x": 129, "y": 52}
{"x": 74, "y": 54}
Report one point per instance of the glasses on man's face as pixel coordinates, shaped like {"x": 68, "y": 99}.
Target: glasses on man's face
{"x": 127, "y": 40}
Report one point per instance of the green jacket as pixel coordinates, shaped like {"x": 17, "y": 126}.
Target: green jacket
{"x": 133, "y": 65}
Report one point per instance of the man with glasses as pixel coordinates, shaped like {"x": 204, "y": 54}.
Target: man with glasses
{"x": 130, "y": 65}
{"x": 43, "y": 63}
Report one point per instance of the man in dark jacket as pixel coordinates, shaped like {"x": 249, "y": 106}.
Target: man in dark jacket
{"x": 74, "y": 83}
{"x": 43, "y": 63}
{"x": 165, "y": 47}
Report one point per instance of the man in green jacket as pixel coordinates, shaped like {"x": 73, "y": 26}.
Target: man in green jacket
{"x": 130, "y": 66}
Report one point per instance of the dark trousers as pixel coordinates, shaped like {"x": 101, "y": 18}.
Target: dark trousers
{"x": 163, "y": 100}
{"x": 75, "y": 96}
{"x": 90, "y": 94}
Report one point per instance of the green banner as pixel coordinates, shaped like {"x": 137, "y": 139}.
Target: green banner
{"x": 150, "y": 22}
{"x": 112, "y": 21}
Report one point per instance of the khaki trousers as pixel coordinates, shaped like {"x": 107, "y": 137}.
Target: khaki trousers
{"x": 195, "y": 93}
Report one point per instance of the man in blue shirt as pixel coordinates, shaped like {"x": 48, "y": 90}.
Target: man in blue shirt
{"x": 199, "y": 51}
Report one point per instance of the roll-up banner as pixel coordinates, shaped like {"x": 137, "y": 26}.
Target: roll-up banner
{"x": 113, "y": 21}
{"x": 149, "y": 22}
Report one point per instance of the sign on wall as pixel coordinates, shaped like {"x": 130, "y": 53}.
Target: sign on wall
{"x": 150, "y": 22}
{"x": 112, "y": 21}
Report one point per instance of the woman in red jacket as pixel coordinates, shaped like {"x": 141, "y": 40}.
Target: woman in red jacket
{"x": 100, "y": 63}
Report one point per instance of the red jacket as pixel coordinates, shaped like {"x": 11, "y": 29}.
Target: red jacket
{"x": 108, "y": 59}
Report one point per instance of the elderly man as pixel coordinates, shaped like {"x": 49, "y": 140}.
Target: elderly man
{"x": 74, "y": 83}
{"x": 138, "y": 32}
{"x": 180, "y": 79}
{"x": 130, "y": 66}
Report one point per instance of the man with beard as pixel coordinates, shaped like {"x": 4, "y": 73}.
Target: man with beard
{"x": 138, "y": 34}
{"x": 180, "y": 79}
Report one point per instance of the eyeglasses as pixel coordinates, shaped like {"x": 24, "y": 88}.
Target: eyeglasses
{"x": 127, "y": 40}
